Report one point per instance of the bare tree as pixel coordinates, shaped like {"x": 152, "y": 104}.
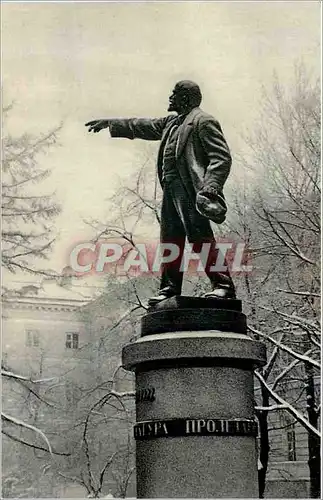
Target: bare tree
{"x": 27, "y": 231}
{"x": 82, "y": 435}
{"x": 279, "y": 217}
{"x": 29, "y": 416}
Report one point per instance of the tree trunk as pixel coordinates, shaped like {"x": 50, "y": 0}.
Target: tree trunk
{"x": 314, "y": 449}
{"x": 264, "y": 443}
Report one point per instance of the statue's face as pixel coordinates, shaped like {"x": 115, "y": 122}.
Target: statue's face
{"x": 176, "y": 100}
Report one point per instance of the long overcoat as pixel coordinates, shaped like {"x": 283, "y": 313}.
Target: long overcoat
{"x": 203, "y": 157}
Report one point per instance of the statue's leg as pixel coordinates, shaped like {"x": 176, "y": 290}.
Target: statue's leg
{"x": 198, "y": 231}
{"x": 172, "y": 235}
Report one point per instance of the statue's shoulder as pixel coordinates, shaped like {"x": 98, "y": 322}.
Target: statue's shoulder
{"x": 202, "y": 117}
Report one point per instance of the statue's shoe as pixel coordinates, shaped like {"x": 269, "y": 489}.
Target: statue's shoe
{"x": 163, "y": 294}
{"x": 221, "y": 293}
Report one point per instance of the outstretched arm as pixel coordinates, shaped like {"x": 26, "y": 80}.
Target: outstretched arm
{"x": 150, "y": 129}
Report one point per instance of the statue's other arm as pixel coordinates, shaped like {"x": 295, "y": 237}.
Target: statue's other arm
{"x": 217, "y": 150}
{"x": 150, "y": 129}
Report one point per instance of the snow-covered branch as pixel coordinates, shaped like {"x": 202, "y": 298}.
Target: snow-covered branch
{"x": 20, "y": 423}
{"x": 281, "y": 401}
{"x": 283, "y": 347}
{"x": 16, "y": 376}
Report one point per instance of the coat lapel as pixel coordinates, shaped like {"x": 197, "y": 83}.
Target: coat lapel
{"x": 162, "y": 147}
{"x": 166, "y": 133}
{"x": 185, "y": 131}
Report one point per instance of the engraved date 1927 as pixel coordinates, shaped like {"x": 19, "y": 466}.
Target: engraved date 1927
{"x": 145, "y": 395}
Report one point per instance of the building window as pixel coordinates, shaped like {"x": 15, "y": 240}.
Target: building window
{"x": 32, "y": 338}
{"x": 72, "y": 341}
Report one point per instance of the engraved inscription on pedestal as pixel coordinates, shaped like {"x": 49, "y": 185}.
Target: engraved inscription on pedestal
{"x": 194, "y": 427}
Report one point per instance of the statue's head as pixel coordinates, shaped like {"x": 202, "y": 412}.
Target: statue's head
{"x": 185, "y": 96}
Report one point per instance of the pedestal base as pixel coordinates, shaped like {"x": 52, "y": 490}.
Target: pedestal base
{"x": 195, "y": 432}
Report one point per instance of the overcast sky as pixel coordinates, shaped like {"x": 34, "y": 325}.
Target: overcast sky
{"x": 79, "y": 61}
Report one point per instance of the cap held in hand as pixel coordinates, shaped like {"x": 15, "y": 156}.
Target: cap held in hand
{"x": 211, "y": 204}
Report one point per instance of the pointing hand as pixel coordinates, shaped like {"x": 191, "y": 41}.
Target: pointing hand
{"x": 97, "y": 125}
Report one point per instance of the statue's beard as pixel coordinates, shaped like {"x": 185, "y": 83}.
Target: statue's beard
{"x": 172, "y": 107}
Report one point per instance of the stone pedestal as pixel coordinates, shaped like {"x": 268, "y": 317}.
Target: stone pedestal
{"x": 195, "y": 429}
